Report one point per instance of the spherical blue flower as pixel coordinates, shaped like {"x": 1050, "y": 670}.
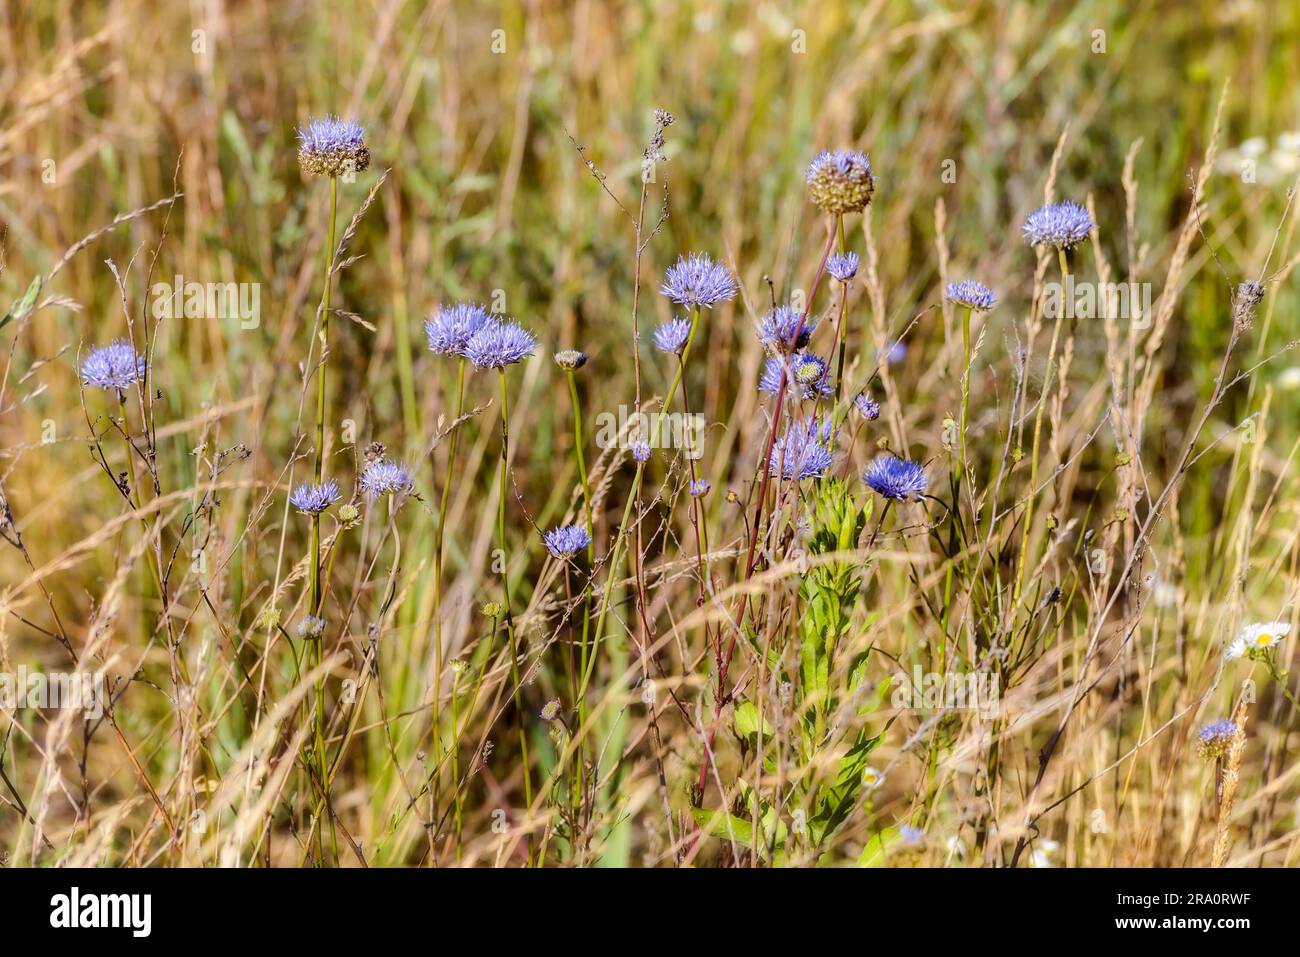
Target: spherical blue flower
{"x": 971, "y": 294}
{"x": 805, "y": 450}
{"x": 566, "y": 541}
{"x": 114, "y": 366}
{"x": 696, "y": 280}
{"x": 806, "y": 372}
{"x": 384, "y": 477}
{"x": 641, "y": 451}
{"x": 311, "y": 627}
{"x": 672, "y": 335}
{"x": 1063, "y": 225}
{"x": 700, "y": 487}
{"x": 499, "y": 344}
{"x": 867, "y": 407}
{"x": 895, "y": 352}
{"x": 329, "y": 146}
{"x": 314, "y": 499}
{"x": 450, "y": 329}
{"x": 911, "y": 836}
{"x": 780, "y": 332}
{"x": 840, "y": 181}
{"x": 843, "y": 266}
{"x": 895, "y": 478}
{"x": 1215, "y": 739}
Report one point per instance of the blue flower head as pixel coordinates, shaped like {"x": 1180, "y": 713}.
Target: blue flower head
{"x": 329, "y": 146}
{"x": 566, "y": 541}
{"x": 696, "y": 280}
{"x": 450, "y": 329}
{"x": 971, "y": 294}
{"x": 311, "y": 627}
{"x": 500, "y": 344}
{"x": 114, "y": 366}
{"x": 384, "y": 478}
{"x": 1063, "y": 225}
{"x": 779, "y": 331}
{"x": 700, "y": 487}
{"x": 895, "y": 478}
{"x": 314, "y": 499}
{"x": 867, "y": 407}
{"x": 895, "y": 352}
{"x": 641, "y": 451}
{"x": 843, "y": 266}
{"x": 672, "y": 335}
{"x": 840, "y": 181}
{"x": 1215, "y": 739}
{"x": 804, "y": 371}
{"x": 805, "y": 450}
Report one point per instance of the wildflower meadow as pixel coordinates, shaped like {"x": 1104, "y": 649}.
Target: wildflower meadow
{"x": 666, "y": 435}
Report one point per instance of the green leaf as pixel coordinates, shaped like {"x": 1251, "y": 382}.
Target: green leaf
{"x": 878, "y": 848}
{"x": 746, "y": 721}
{"x": 23, "y": 306}
{"x": 726, "y": 827}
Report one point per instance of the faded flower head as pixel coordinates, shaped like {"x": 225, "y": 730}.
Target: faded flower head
{"x": 696, "y": 280}
{"x": 840, "y": 181}
{"x": 971, "y": 294}
{"x": 313, "y": 499}
{"x": 450, "y": 329}
{"x": 551, "y": 710}
{"x": 570, "y": 359}
{"x": 867, "y": 407}
{"x": 1063, "y": 225}
{"x": 311, "y": 628}
{"x": 895, "y": 478}
{"x": 641, "y": 451}
{"x": 349, "y": 513}
{"x": 805, "y": 450}
{"x": 566, "y": 541}
{"x": 329, "y": 146}
{"x": 500, "y": 344}
{"x": 1215, "y": 739}
{"x": 384, "y": 477}
{"x": 804, "y": 371}
{"x": 779, "y": 331}
{"x": 843, "y": 266}
{"x": 114, "y": 366}
{"x": 700, "y": 487}
{"x": 672, "y": 335}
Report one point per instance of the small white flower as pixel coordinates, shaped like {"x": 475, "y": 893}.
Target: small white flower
{"x": 1040, "y": 859}
{"x": 955, "y": 847}
{"x": 872, "y": 778}
{"x": 1289, "y": 378}
{"x": 1236, "y": 649}
{"x": 1262, "y": 634}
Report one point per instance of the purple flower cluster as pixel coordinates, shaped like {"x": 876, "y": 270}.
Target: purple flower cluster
{"x": 1063, "y": 225}
{"x": 805, "y": 372}
{"x": 450, "y": 329}
{"x": 114, "y": 366}
{"x": 499, "y": 344}
{"x": 696, "y": 280}
{"x": 805, "y": 450}
{"x": 780, "y": 332}
{"x": 385, "y": 478}
{"x": 312, "y": 499}
{"x": 329, "y": 146}
{"x": 894, "y": 478}
{"x": 672, "y": 335}
{"x": 971, "y": 294}
{"x": 566, "y": 541}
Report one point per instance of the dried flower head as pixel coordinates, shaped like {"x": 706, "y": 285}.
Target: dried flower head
{"x": 805, "y": 372}
{"x": 840, "y": 181}
{"x": 349, "y": 513}
{"x": 450, "y": 328}
{"x": 1063, "y": 225}
{"x": 312, "y": 499}
{"x": 311, "y": 628}
{"x": 1215, "y": 739}
{"x": 490, "y": 609}
{"x": 570, "y": 359}
{"x": 696, "y": 280}
{"x": 843, "y": 266}
{"x": 895, "y": 478}
{"x": 329, "y": 146}
{"x": 971, "y": 294}
{"x": 500, "y": 344}
{"x": 804, "y": 450}
{"x": 114, "y": 366}
{"x": 551, "y": 710}
{"x": 384, "y": 478}
{"x": 566, "y": 541}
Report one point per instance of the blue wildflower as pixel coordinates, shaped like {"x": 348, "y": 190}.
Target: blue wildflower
{"x": 779, "y": 331}
{"x": 1063, "y": 225}
{"x": 311, "y": 627}
{"x": 384, "y": 477}
{"x": 700, "y": 487}
{"x": 895, "y": 352}
{"x": 314, "y": 499}
{"x": 1216, "y": 738}
{"x": 641, "y": 451}
{"x": 329, "y": 146}
{"x": 895, "y": 478}
{"x": 840, "y": 181}
{"x": 566, "y": 541}
{"x": 804, "y": 450}
{"x": 805, "y": 371}
{"x": 499, "y": 344}
{"x": 843, "y": 266}
{"x": 672, "y": 335}
{"x": 696, "y": 280}
{"x": 450, "y": 329}
{"x": 971, "y": 294}
{"x": 114, "y": 366}
{"x": 867, "y": 407}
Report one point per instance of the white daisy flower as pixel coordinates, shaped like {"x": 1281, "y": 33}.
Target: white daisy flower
{"x": 1261, "y": 635}
{"x": 1236, "y": 649}
{"x": 872, "y": 778}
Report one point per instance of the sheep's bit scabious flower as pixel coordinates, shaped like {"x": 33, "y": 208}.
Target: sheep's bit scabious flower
{"x": 840, "y": 181}
{"x": 384, "y": 478}
{"x": 329, "y": 146}
{"x": 1216, "y": 739}
{"x": 566, "y": 541}
{"x": 114, "y": 366}
{"x": 696, "y": 280}
{"x": 314, "y": 499}
{"x": 1063, "y": 225}
{"x": 894, "y": 478}
{"x": 971, "y": 294}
